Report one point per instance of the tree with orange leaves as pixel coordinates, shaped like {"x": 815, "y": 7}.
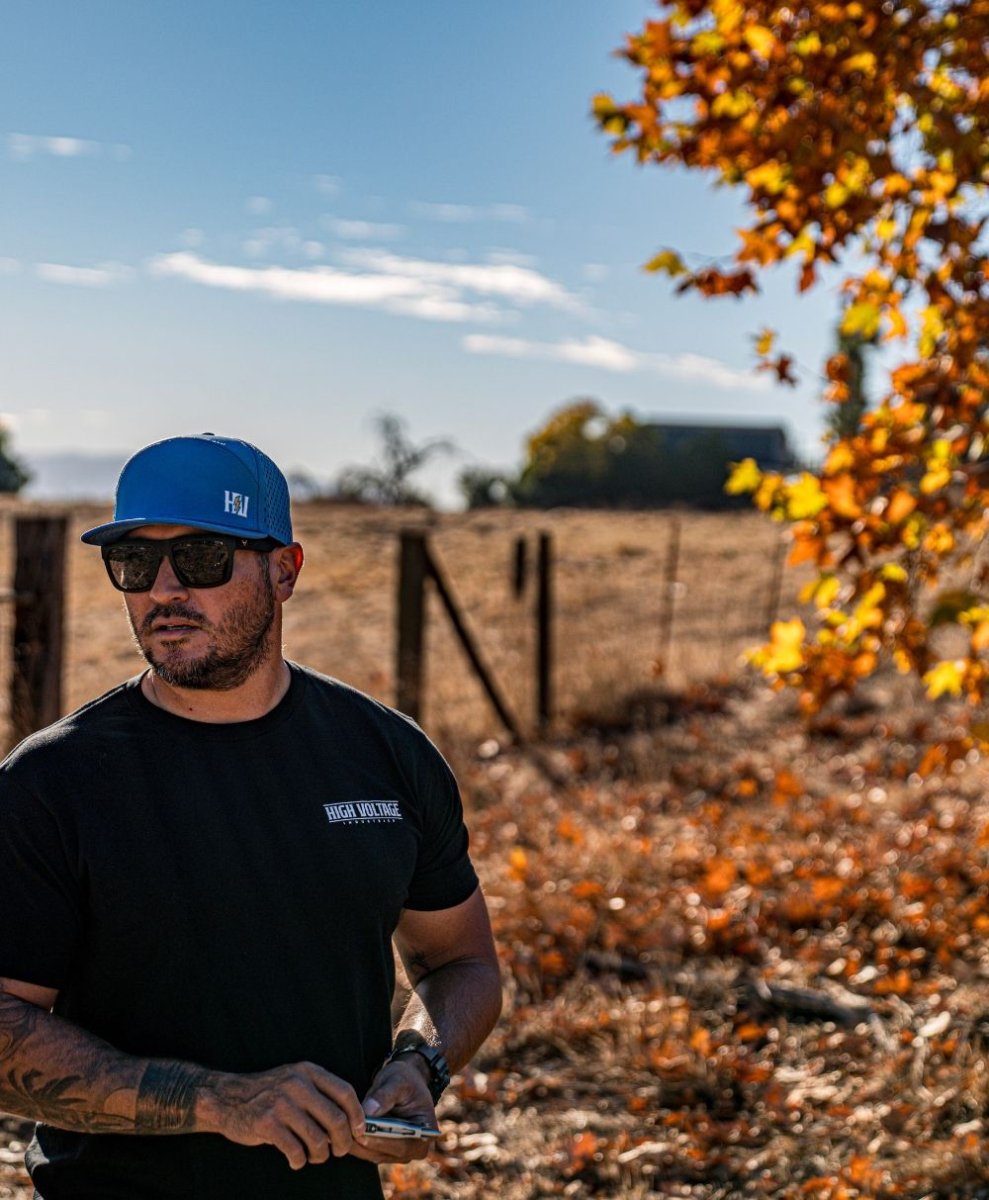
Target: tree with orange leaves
{"x": 859, "y": 131}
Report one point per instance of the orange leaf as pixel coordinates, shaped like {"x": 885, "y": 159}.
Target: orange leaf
{"x": 720, "y": 877}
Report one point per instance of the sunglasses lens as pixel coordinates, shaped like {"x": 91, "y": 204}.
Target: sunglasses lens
{"x": 199, "y": 562}
{"x": 203, "y": 562}
{"x": 133, "y": 568}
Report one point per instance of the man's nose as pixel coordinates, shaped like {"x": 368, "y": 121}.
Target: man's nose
{"x": 167, "y": 584}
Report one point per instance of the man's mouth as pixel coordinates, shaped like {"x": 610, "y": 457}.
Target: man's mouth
{"x": 171, "y": 623}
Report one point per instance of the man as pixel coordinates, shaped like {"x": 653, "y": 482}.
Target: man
{"x": 202, "y": 873}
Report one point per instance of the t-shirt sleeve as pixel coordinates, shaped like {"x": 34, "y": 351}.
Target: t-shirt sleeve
{"x": 444, "y": 875}
{"x": 39, "y": 910}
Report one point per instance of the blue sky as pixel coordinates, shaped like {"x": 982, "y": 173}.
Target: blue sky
{"x": 278, "y": 220}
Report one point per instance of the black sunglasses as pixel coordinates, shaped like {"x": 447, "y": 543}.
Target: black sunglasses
{"x": 199, "y": 560}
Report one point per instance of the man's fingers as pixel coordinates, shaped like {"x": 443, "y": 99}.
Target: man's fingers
{"x": 343, "y": 1096}
{"x": 390, "y": 1150}
{"x": 284, "y": 1140}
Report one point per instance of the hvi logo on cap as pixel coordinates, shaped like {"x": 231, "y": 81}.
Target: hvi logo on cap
{"x": 234, "y": 502}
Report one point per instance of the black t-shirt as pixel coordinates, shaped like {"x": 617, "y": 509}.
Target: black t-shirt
{"x": 226, "y": 895}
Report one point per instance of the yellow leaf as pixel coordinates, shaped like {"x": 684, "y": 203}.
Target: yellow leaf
{"x": 840, "y": 458}
{"x": 668, "y": 261}
{"x": 862, "y": 318}
{"x": 728, "y": 14}
{"x": 809, "y": 44}
{"x": 805, "y": 498}
{"x": 931, "y": 330}
{"x": 768, "y": 176}
{"x": 894, "y": 573}
{"x": 835, "y": 194}
{"x": 745, "y": 477}
{"x": 760, "y": 40}
{"x": 732, "y": 104}
{"x": 785, "y": 650}
{"x": 764, "y": 342}
{"x": 946, "y": 677}
{"x": 864, "y": 62}
{"x": 936, "y": 478}
{"x": 827, "y": 591}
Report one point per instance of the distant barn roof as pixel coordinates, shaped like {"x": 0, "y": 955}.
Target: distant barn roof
{"x": 767, "y": 444}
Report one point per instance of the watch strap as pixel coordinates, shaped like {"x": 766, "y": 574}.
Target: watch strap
{"x": 410, "y": 1042}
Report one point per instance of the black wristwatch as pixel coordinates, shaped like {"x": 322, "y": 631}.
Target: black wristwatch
{"x": 410, "y": 1042}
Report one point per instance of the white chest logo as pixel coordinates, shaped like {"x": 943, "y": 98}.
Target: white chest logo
{"x": 363, "y": 812}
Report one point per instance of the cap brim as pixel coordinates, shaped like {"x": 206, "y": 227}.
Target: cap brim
{"x": 102, "y": 535}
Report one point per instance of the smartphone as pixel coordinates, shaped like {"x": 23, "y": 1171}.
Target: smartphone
{"x": 394, "y": 1127}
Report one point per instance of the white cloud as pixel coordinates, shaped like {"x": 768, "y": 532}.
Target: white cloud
{"x": 457, "y": 214}
{"x": 509, "y": 281}
{"x": 259, "y": 205}
{"x": 313, "y": 249}
{"x": 370, "y": 231}
{"x": 594, "y": 272}
{"x": 25, "y": 146}
{"x": 389, "y": 292}
{"x": 104, "y": 275}
{"x": 612, "y": 356}
{"x": 327, "y": 185}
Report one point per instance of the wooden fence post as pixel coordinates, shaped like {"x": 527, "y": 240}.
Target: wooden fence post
{"x": 412, "y": 570}
{"x": 544, "y": 634}
{"x": 39, "y": 611}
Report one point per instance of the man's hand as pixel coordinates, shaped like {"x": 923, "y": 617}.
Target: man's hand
{"x": 399, "y": 1090}
{"x": 301, "y": 1109}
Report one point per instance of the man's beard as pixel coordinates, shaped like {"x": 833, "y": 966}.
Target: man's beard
{"x": 238, "y": 645}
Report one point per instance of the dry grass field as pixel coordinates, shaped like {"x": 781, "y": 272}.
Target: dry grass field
{"x": 611, "y": 576}
{"x": 742, "y": 956}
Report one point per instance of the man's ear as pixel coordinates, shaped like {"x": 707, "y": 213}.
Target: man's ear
{"x": 287, "y": 562}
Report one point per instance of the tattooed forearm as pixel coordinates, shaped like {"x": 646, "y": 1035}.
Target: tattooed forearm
{"x": 166, "y": 1099}
{"x": 53, "y": 1071}
{"x": 17, "y": 1022}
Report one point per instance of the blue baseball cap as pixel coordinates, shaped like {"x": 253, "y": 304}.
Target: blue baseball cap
{"x": 220, "y": 484}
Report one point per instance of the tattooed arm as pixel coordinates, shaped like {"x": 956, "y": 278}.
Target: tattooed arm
{"x": 53, "y": 1071}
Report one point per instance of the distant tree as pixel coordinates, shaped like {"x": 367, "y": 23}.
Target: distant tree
{"x": 483, "y": 488}
{"x": 566, "y": 460}
{"x": 389, "y": 481}
{"x": 13, "y": 476}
